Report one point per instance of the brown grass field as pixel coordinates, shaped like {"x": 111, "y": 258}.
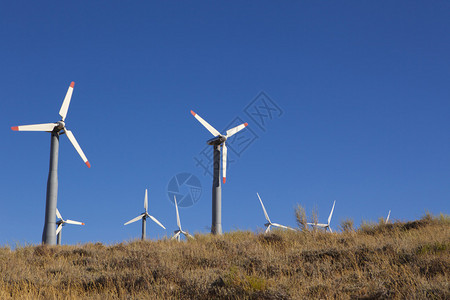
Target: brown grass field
{"x": 402, "y": 260}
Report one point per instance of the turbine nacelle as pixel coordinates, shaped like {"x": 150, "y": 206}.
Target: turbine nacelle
{"x": 218, "y": 140}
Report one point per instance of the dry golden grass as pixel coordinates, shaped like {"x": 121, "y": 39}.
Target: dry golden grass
{"x": 377, "y": 261}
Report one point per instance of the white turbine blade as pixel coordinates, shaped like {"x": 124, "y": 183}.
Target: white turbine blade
{"x": 318, "y": 225}
{"x": 77, "y": 147}
{"x": 264, "y": 209}
{"x": 279, "y": 225}
{"x": 58, "y": 229}
{"x": 282, "y": 226}
{"x": 267, "y": 229}
{"x": 186, "y": 234}
{"x": 135, "y": 219}
{"x": 66, "y": 102}
{"x": 329, "y": 228}
{"x": 35, "y": 127}
{"x": 58, "y": 214}
{"x": 146, "y": 201}
{"x": 176, "y": 234}
{"x": 211, "y": 129}
{"x": 156, "y": 221}
{"x": 178, "y": 216}
{"x": 233, "y": 131}
{"x": 224, "y": 162}
{"x": 331, "y": 213}
{"x": 387, "y": 219}
{"x": 74, "y": 222}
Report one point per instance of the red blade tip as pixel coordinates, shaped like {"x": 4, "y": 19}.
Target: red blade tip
{"x": 83, "y": 224}
{"x": 72, "y": 84}
{"x": 224, "y": 179}
{"x": 15, "y": 128}
{"x": 193, "y": 113}
{"x": 245, "y": 124}
{"x": 88, "y": 164}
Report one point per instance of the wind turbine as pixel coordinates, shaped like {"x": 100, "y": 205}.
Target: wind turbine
{"x": 269, "y": 223}
{"x": 56, "y": 129}
{"x": 144, "y": 216}
{"x": 218, "y": 142}
{"x": 179, "y": 231}
{"x": 326, "y": 226}
{"x": 387, "y": 219}
{"x": 61, "y": 223}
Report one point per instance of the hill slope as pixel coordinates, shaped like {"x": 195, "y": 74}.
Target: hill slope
{"x": 401, "y": 260}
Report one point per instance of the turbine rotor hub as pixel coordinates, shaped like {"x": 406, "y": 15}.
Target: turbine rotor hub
{"x": 60, "y": 125}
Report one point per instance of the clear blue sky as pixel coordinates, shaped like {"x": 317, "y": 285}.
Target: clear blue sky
{"x": 363, "y": 88}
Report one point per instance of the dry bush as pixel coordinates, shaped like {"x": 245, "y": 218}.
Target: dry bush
{"x": 347, "y": 225}
{"x": 402, "y": 260}
{"x": 300, "y": 218}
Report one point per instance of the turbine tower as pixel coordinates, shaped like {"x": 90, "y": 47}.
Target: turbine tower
{"x": 56, "y": 129}
{"x": 325, "y": 226}
{"x": 218, "y": 142}
{"x": 269, "y": 223}
{"x": 180, "y": 231}
{"x": 61, "y": 223}
{"x": 144, "y": 216}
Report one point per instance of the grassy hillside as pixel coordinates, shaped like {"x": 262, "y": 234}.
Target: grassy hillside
{"x": 403, "y": 260}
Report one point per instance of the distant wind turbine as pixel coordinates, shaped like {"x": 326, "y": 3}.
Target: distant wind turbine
{"x": 144, "y": 216}
{"x": 269, "y": 223}
{"x": 61, "y": 223}
{"x": 180, "y": 231}
{"x": 325, "y": 226}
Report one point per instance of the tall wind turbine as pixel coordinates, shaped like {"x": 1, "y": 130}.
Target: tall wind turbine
{"x": 326, "y": 226}
{"x": 218, "y": 142}
{"x": 56, "y": 129}
{"x": 180, "y": 231}
{"x": 61, "y": 223}
{"x": 144, "y": 216}
{"x": 387, "y": 219}
{"x": 269, "y": 223}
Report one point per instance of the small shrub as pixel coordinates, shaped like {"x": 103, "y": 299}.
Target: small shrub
{"x": 273, "y": 239}
{"x": 300, "y": 218}
{"x": 314, "y": 217}
{"x": 367, "y": 227}
{"x": 247, "y": 283}
{"x": 347, "y": 225}
{"x": 434, "y": 248}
